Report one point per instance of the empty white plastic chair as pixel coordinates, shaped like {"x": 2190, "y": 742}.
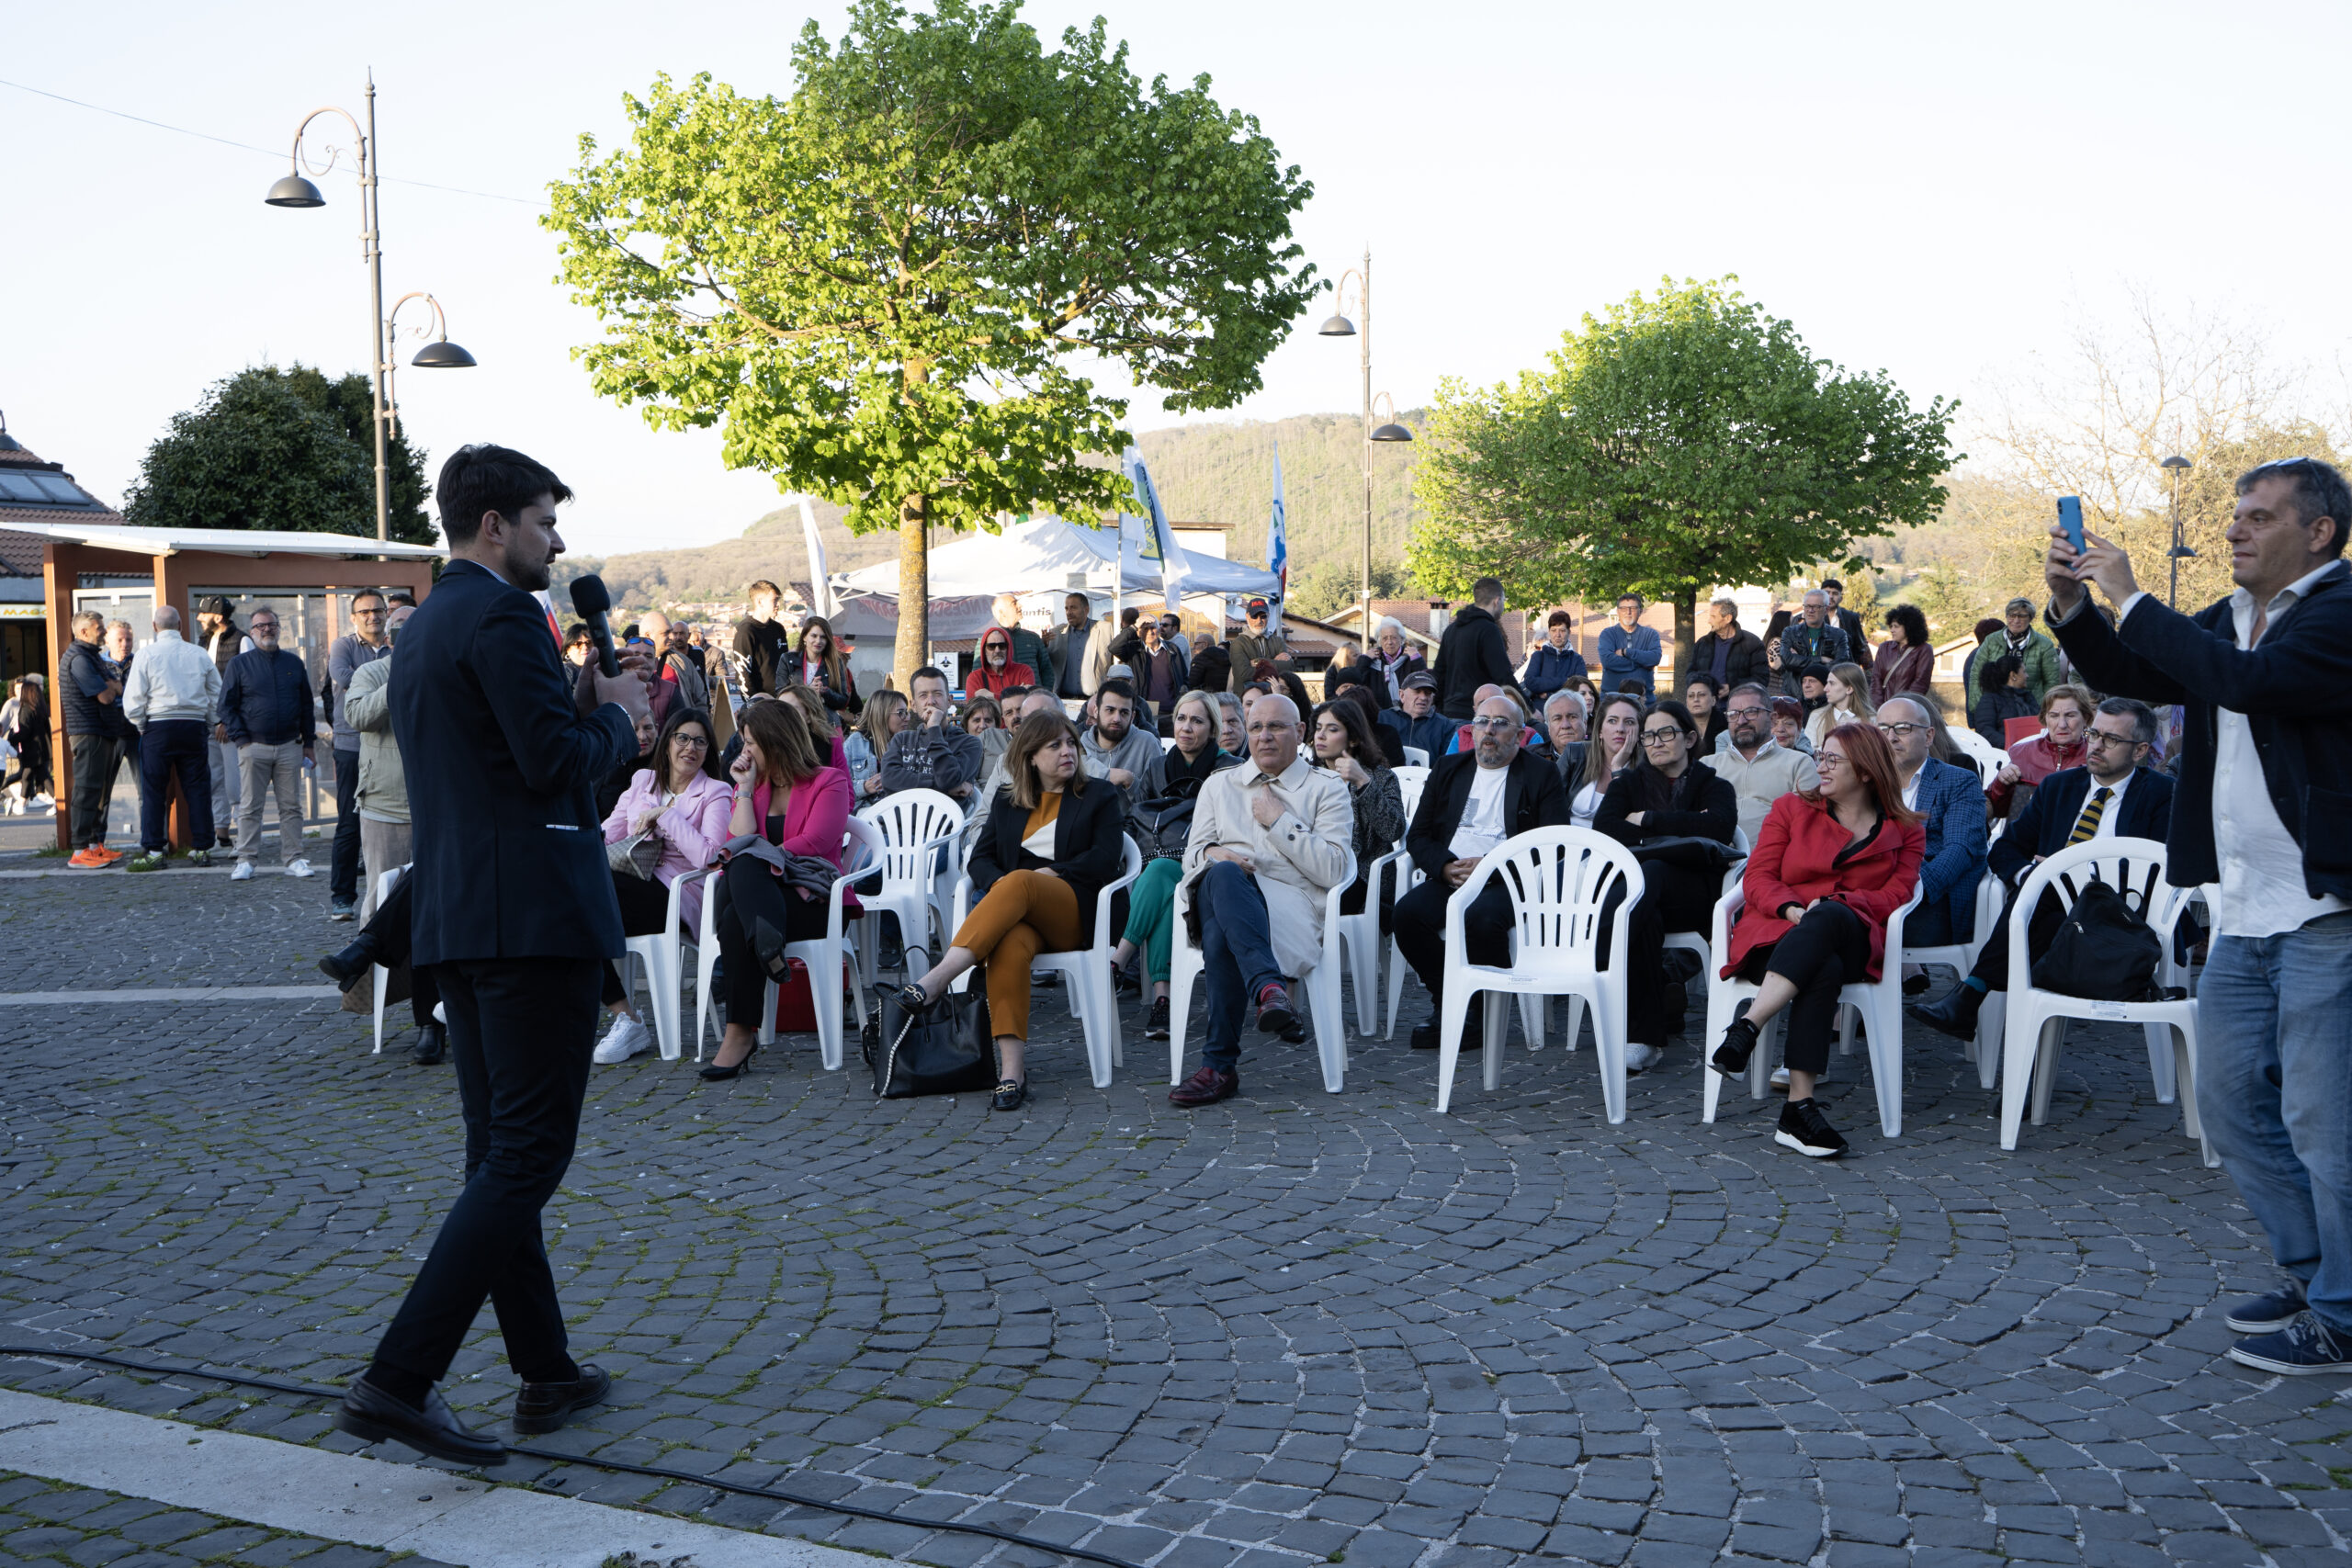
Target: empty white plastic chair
{"x": 862, "y": 851}
{"x": 1558, "y": 880}
{"x": 1186, "y": 963}
{"x": 1085, "y": 972}
{"x": 918, "y": 829}
{"x": 2036, "y": 1022}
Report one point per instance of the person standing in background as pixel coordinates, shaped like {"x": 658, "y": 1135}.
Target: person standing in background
{"x": 221, "y": 638}
{"x": 761, "y": 640}
{"x": 365, "y": 645}
{"x": 266, "y": 700}
{"x": 170, "y": 698}
{"x": 97, "y": 737}
{"x": 1630, "y": 651}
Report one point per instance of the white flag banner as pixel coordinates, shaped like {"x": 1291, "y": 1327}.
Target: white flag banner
{"x": 818, "y": 583}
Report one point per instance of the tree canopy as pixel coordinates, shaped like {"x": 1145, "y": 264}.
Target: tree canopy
{"x": 1685, "y": 440}
{"x": 272, "y": 448}
{"x": 877, "y": 286}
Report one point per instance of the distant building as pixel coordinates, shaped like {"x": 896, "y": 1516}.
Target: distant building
{"x": 33, "y": 491}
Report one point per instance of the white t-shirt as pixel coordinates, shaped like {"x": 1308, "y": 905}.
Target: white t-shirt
{"x": 1482, "y": 815}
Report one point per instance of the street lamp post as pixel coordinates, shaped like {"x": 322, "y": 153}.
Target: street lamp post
{"x": 295, "y": 190}
{"x": 1340, "y": 326}
{"x": 2177, "y": 466}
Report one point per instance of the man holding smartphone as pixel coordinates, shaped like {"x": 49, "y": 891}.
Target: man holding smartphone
{"x": 2262, "y": 818}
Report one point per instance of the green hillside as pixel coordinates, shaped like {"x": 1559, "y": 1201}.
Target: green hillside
{"x": 1214, "y": 473}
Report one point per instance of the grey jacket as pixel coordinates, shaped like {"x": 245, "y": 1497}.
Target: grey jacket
{"x": 368, "y": 706}
{"x": 1140, "y": 754}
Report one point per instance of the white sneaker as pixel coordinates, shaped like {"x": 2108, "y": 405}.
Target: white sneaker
{"x": 624, "y": 1040}
{"x": 298, "y": 867}
{"x": 441, "y": 1011}
{"x": 1641, "y": 1058}
{"x": 1780, "y": 1076}
{"x": 245, "y": 872}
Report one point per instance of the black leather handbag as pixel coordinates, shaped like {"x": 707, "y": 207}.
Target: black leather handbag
{"x": 943, "y": 1049}
{"x": 2104, "y": 950}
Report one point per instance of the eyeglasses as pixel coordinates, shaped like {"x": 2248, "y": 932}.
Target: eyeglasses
{"x": 1746, "y": 712}
{"x": 1899, "y": 730}
{"x": 1659, "y": 737}
{"x": 1828, "y": 759}
{"x": 698, "y": 742}
{"x": 1494, "y": 721}
{"x": 2101, "y": 738}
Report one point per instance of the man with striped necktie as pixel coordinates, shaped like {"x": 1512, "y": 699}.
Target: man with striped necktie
{"x": 2111, "y": 795}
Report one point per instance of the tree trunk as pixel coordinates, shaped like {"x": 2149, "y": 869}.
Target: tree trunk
{"x": 914, "y": 591}
{"x": 1686, "y": 638}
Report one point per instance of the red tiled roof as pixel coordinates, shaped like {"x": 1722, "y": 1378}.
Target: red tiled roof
{"x": 20, "y": 553}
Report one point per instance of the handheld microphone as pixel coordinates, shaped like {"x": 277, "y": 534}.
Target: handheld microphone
{"x": 592, "y": 602}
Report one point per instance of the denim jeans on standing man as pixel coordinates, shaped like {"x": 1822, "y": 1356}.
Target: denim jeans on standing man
{"x": 1237, "y": 956}
{"x": 2274, "y": 1086}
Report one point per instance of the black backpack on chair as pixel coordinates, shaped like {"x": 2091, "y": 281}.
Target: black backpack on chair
{"x": 2104, "y": 950}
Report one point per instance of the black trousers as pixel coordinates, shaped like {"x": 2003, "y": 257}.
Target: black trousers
{"x": 645, "y": 904}
{"x": 168, "y": 746}
{"x": 1418, "y": 926}
{"x": 748, "y": 894}
{"x": 389, "y": 928}
{"x": 1826, "y": 952}
{"x": 96, "y": 760}
{"x": 343, "y": 869}
{"x": 1674, "y": 899}
{"x": 521, "y": 1031}
{"x": 1992, "y": 962}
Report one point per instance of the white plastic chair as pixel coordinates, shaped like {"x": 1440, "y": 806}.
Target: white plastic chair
{"x": 1186, "y": 963}
{"x": 1085, "y": 972}
{"x": 1411, "y": 779}
{"x": 2036, "y": 1022}
{"x": 1359, "y": 933}
{"x": 1961, "y": 957}
{"x": 862, "y": 847}
{"x": 1414, "y": 757}
{"x": 663, "y": 958}
{"x": 916, "y": 828}
{"x": 1877, "y": 1003}
{"x": 1559, "y": 879}
{"x": 1691, "y": 941}
{"x": 1166, "y": 744}
{"x": 383, "y": 976}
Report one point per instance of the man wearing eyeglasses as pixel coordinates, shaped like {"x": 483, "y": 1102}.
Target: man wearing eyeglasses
{"x": 2265, "y": 815}
{"x": 1952, "y": 802}
{"x": 1759, "y": 768}
{"x": 1472, "y": 802}
{"x": 364, "y": 645}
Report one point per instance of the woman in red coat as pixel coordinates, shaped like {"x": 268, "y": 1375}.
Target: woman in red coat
{"x": 1826, "y": 874}
{"x": 995, "y": 668}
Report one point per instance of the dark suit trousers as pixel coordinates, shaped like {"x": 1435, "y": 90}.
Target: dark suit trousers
{"x": 520, "y": 1031}
{"x": 96, "y": 760}
{"x": 1419, "y": 928}
{"x": 1992, "y": 964}
{"x": 1674, "y": 899}
{"x": 343, "y": 869}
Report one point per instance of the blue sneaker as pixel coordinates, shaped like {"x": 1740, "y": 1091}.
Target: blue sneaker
{"x": 2303, "y": 1346}
{"x": 2270, "y": 1314}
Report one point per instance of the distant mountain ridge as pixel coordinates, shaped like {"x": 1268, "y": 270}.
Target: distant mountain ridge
{"x": 1212, "y": 473}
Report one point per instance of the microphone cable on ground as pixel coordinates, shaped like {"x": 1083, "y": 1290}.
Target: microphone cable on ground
{"x": 306, "y": 1390}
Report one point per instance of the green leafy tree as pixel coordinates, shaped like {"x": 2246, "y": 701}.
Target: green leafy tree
{"x": 877, "y": 286}
{"x": 1334, "y": 582}
{"x": 1685, "y": 440}
{"x": 272, "y": 448}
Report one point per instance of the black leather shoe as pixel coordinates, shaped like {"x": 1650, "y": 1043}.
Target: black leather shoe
{"x": 1009, "y": 1094}
{"x": 374, "y": 1417}
{"x": 1953, "y": 1013}
{"x": 432, "y": 1041}
{"x": 1274, "y": 1015}
{"x": 351, "y": 966}
{"x": 1205, "y": 1088}
{"x": 1474, "y": 1029}
{"x": 545, "y": 1406}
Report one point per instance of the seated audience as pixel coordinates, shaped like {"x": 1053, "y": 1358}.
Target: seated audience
{"x": 1703, "y": 696}
{"x": 824, "y": 726}
{"x": 1352, "y": 666}
{"x": 1415, "y": 717}
{"x": 2065, "y": 715}
{"x": 1118, "y": 749}
{"x": 1951, "y": 804}
{"x": 1615, "y": 747}
{"x": 1826, "y": 872}
{"x": 1845, "y": 699}
{"x": 1342, "y": 742}
{"x": 932, "y": 752}
{"x": 886, "y": 714}
{"x": 1788, "y": 721}
{"x": 1758, "y": 768}
{"x": 2003, "y": 697}
{"x": 1232, "y": 731}
{"x": 994, "y": 668}
{"x": 1160, "y": 826}
{"x": 1392, "y": 750}
{"x": 684, "y": 806}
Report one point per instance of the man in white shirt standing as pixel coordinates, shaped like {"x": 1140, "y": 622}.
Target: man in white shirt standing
{"x": 2263, "y": 819}
{"x": 169, "y": 697}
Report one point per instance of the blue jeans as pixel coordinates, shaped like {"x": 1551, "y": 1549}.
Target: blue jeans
{"x": 1238, "y": 949}
{"x": 2274, "y": 1085}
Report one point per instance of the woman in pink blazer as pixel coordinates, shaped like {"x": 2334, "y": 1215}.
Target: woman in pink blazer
{"x": 685, "y": 812}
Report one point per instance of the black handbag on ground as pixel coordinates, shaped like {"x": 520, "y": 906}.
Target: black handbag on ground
{"x": 2104, "y": 950}
{"x": 943, "y": 1049}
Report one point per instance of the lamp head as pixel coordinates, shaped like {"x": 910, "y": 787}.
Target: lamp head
{"x": 442, "y": 355}
{"x": 294, "y": 191}
{"x": 1337, "y": 326}
{"x": 2175, "y": 461}
{"x": 1392, "y": 431}
{"x": 7, "y": 442}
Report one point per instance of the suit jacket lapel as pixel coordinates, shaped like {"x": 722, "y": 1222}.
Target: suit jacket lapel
{"x": 1512, "y": 776}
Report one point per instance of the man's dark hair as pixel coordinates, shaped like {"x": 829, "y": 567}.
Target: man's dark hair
{"x": 1634, "y": 597}
{"x": 1632, "y": 688}
{"x": 1128, "y": 616}
{"x": 481, "y": 479}
{"x": 1754, "y": 686}
{"x": 401, "y": 596}
{"x": 764, "y": 586}
{"x": 2318, "y": 491}
{"x": 935, "y": 674}
{"x": 2142, "y": 717}
{"x": 1559, "y": 618}
{"x": 1012, "y": 694}
{"x": 1829, "y": 584}
{"x": 1114, "y": 687}
{"x": 1486, "y": 592}
{"x": 375, "y": 594}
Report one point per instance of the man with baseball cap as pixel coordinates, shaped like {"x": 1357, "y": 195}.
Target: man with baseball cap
{"x": 219, "y": 635}
{"x": 1259, "y": 642}
{"x": 1415, "y": 717}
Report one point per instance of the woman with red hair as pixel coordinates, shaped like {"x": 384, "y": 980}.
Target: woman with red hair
{"x": 1827, "y": 871}
{"x": 995, "y": 668}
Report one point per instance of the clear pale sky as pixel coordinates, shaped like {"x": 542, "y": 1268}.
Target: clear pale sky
{"x": 1928, "y": 190}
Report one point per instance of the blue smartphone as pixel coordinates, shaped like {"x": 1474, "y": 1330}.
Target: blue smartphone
{"x": 2070, "y": 518}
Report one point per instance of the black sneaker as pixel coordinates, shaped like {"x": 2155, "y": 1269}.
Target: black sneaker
{"x": 1155, "y": 1023}
{"x": 1739, "y": 1044}
{"x": 1805, "y": 1129}
{"x": 2305, "y": 1347}
{"x": 2270, "y": 1314}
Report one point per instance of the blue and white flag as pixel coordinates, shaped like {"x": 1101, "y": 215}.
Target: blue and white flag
{"x": 1278, "y": 544}
{"x": 1158, "y": 538}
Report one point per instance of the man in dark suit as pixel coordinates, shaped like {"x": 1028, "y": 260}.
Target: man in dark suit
{"x": 1472, "y": 802}
{"x": 2110, "y": 796}
{"x": 514, "y": 907}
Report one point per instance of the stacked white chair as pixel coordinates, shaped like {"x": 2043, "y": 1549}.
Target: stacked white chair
{"x": 1359, "y": 933}
{"x": 861, "y": 850}
{"x": 1325, "y": 1005}
{"x": 1085, "y": 972}
{"x": 1877, "y": 1003}
{"x": 1559, "y": 880}
{"x": 919, "y": 828}
{"x": 2036, "y": 1022}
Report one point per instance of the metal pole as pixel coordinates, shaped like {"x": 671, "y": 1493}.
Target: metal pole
{"x": 378, "y": 349}
{"x": 1366, "y": 354}
{"x": 2171, "y": 595}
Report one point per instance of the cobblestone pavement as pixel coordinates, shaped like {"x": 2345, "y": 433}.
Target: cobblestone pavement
{"x": 42, "y": 1521}
{"x": 1293, "y": 1328}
